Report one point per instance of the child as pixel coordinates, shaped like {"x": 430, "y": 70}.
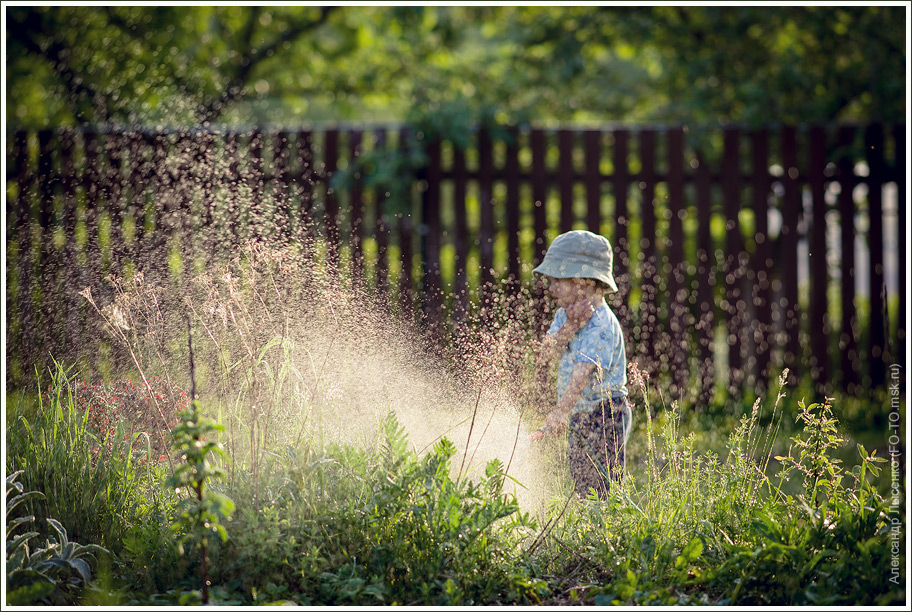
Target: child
{"x": 592, "y": 372}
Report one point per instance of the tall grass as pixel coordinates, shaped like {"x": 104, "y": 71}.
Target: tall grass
{"x": 377, "y": 523}
{"x": 94, "y": 486}
{"x": 691, "y": 528}
{"x": 333, "y": 507}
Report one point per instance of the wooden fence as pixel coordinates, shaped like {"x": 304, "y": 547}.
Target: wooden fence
{"x": 739, "y": 251}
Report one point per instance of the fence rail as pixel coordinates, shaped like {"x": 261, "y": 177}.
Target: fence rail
{"x": 740, "y": 251}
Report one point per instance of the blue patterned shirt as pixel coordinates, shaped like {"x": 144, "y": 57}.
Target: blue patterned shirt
{"x": 600, "y": 342}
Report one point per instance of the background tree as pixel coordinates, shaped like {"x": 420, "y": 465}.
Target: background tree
{"x": 255, "y": 64}
{"x": 139, "y": 64}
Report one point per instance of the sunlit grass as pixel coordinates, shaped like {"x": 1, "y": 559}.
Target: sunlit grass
{"x": 334, "y": 426}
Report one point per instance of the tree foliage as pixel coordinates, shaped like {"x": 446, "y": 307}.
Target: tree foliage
{"x": 253, "y": 64}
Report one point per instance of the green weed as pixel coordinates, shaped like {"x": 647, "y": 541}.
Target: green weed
{"x": 94, "y": 486}
{"x": 693, "y": 528}
{"x": 829, "y": 546}
{"x": 384, "y": 526}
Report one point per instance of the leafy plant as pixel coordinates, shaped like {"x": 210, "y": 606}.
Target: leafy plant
{"x": 54, "y": 573}
{"x": 423, "y": 537}
{"x": 379, "y": 524}
{"x": 822, "y": 472}
{"x": 201, "y": 512}
{"x": 828, "y": 547}
{"x": 796, "y": 555}
{"x": 151, "y": 559}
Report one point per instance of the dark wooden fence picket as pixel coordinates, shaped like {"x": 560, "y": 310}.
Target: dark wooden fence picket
{"x": 788, "y": 261}
{"x": 511, "y": 170}
{"x": 849, "y": 325}
{"x": 123, "y": 198}
{"x": 432, "y": 287}
{"x": 565, "y": 178}
{"x": 461, "y": 237}
{"x": 21, "y": 227}
{"x": 405, "y": 226}
{"x": 731, "y": 267}
{"x": 649, "y": 324}
{"x": 675, "y": 270}
{"x": 874, "y": 142}
{"x": 706, "y": 279}
{"x": 819, "y": 281}
{"x": 70, "y": 300}
{"x": 759, "y": 274}
{"x": 48, "y": 315}
{"x": 486, "y": 206}
{"x": 621, "y": 188}
{"x": 539, "y": 194}
{"x": 330, "y": 201}
{"x": 357, "y": 210}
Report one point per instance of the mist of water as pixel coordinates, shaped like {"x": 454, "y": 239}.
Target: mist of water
{"x": 288, "y": 350}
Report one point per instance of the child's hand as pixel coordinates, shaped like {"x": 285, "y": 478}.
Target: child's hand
{"x": 540, "y": 433}
{"x": 578, "y": 313}
{"x": 555, "y": 421}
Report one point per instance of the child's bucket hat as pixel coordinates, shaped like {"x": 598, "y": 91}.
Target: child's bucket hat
{"x": 579, "y": 254}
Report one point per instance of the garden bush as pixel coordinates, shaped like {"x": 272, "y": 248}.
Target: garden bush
{"x": 388, "y": 527}
{"x": 376, "y": 523}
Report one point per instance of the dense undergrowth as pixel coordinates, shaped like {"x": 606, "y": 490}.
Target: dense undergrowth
{"x": 377, "y": 523}
{"x": 143, "y": 492}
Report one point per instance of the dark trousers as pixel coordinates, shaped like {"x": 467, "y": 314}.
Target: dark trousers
{"x": 596, "y": 446}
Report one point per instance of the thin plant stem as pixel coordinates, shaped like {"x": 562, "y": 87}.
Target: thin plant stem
{"x": 482, "y": 437}
{"x": 515, "y": 442}
{"x": 192, "y": 367}
{"x": 198, "y": 486}
{"x": 551, "y": 523}
{"x": 87, "y": 294}
{"x": 471, "y": 427}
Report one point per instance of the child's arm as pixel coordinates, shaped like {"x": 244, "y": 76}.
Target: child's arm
{"x": 553, "y": 345}
{"x": 578, "y": 314}
{"x": 557, "y": 419}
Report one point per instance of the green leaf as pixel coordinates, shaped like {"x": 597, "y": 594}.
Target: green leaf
{"x": 604, "y": 599}
{"x": 19, "y": 541}
{"x": 22, "y": 498}
{"x": 693, "y": 549}
{"x": 691, "y": 552}
{"x": 60, "y": 529}
{"x": 54, "y": 562}
{"x": 83, "y": 568}
{"x": 31, "y": 593}
{"x": 190, "y": 598}
{"x": 222, "y": 505}
{"x": 219, "y": 529}
{"x": 16, "y": 522}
